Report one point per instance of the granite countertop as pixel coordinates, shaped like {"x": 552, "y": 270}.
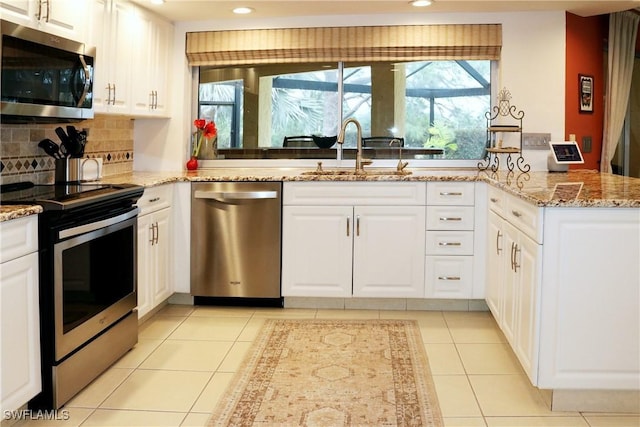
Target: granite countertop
{"x": 579, "y": 188}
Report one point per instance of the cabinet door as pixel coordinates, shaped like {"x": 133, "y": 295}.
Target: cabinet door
{"x": 317, "y": 251}
{"x": 150, "y": 89}
{"x": 162, "y": 246}
{"x": 527, "y": 266}
{"x": 19, "y": 332}
{"x": 64, "y": 18}
{"x": 112, "y": 32}
{"x": 389, "y": 251}
{"x": 509, "y": 285}
{"x": 496, "y": 256}
{"x": 145, "y": 263}
{"x": 98, "y": 37}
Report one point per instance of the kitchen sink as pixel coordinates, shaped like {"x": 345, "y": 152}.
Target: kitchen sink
{"x": 351, "y": 172}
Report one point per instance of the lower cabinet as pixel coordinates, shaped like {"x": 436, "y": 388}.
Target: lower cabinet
{"x": 514, "y": 268}
{"x": 154, "y": 249}
{"x": 344, "y": 250}
{"x": 20, "y": 378}
{"x": 364, "y": 251}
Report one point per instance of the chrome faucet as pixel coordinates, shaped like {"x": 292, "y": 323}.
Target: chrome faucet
{"x": 360, "y": 162}
{"x": 401, "y": 164}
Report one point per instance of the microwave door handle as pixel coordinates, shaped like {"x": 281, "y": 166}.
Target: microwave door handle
{"x": 87, "y": 81}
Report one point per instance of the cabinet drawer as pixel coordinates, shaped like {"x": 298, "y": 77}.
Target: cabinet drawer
{"x": 449, "y": 243}
{"x": 155, "y": 198}
{"x": 354, "y": 193}
{"x": 18, "y": 237}
{"x": 450, "y": 217}
{"x": 496, "y": 200}
{"x": 449, "y": 277}
{"x": 450, "y": 193}
{"x": 524, "y": 216}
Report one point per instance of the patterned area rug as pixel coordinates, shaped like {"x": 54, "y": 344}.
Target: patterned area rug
{"x": 333, "y": 373}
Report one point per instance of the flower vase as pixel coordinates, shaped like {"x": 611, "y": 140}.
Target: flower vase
{"x": 192, "y": 164}
{"x": 209, "y": 149}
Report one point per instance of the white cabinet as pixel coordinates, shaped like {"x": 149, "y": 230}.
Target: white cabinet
{"x": 112, "y": 33}
{"x": 64, "y": 18}
{"x": 154, "y": 248}
{"x": 353, "y": 239}
{"x": 514, "y": 271}
{"x": 19, "y": 313}
{"x": 590, "y": 324}
{"x": 133, "y": 49}
{"x": 153, "y": 38}
{"x": 449, "y": 240}
{"x": 317, "y": 253}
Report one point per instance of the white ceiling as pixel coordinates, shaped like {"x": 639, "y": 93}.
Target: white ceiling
{"x": 196, "y": 10}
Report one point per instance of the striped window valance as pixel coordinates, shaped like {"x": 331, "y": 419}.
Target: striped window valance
{"x": 321, "y": 44}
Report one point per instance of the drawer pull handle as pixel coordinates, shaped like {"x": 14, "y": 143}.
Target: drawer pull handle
{"x": 448, "y": 278}
{"x": 445, "y": 193}
{"x": 444, "y": 218}
{"x": 450, "y": 244}
{"x": 358, "y": 225}
{"x": 155, "y": 199}
{"x": 494, "y": 200}
{"x": 498, "y": 248}
{"x": 516, "y": 214}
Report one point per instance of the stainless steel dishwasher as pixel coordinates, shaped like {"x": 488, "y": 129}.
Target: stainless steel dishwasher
{"x": 236, "y": 242}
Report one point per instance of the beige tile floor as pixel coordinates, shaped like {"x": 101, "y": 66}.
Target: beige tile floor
{"x": 187, "y": 355}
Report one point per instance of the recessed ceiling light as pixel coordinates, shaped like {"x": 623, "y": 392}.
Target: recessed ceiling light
{"x": 420, "y": 3}
{"x": 242, "y": 10}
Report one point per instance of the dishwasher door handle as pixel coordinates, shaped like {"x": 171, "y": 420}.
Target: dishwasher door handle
{"x": 235, "y": 195}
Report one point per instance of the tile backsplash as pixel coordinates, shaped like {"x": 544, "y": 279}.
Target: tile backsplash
{"x": 110, "y": 138}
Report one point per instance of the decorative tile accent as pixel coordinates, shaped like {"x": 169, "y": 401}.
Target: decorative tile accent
{"x": 109, "y": 138}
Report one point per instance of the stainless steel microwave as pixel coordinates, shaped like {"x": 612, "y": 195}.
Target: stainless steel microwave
{"x": 44, "y": 78}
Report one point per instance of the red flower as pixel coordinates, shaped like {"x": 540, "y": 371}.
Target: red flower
{"x": 210, "y": 130}
{"x": 204, "y": 130}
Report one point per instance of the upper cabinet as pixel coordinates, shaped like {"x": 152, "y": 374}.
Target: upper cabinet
{"x": 153, "y": 40}
{"x": 64, "y": 18}
{"x": 132, "y": 49}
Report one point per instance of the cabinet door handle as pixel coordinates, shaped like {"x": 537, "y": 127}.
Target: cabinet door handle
{"x": 498, "y": 248}
{"x": 152, "y": 239}
{"x": 448, "y": 278}
{"x": 114, "y": 95}
{"x": 348, "y": 226}
{"x": 515, "y": 259}
{"x": 449, "y": 244}
{"x": 358, "y": 225}
{"x": 155, "y": 99}
{"x": 48, "y": 10}
{"x": 444, "y": 218}
{"x": 513, "y": 253}
{"x": 445, "y": 193}
{"x": 108, "y": 93}
{"x": 39, "y": 14}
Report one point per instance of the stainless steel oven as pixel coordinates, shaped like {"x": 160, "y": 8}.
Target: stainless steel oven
{"x": 87, "y": 254}
{"x": 94, "y": 279}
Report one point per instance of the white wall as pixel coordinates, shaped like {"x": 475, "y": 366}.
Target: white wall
{"x": 532, "y": 68}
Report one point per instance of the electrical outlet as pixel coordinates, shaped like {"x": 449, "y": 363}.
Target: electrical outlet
{"x": 586, "y": 144}
{"x": 536, "y": 141}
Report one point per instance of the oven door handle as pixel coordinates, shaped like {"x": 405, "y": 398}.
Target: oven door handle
{"x": 81, "y": 229}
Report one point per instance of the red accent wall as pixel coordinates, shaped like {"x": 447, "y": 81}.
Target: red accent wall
{"x": 586, "y": 38}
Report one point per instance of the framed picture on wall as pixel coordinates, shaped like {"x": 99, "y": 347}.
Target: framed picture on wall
{"x": 585, "y": 91}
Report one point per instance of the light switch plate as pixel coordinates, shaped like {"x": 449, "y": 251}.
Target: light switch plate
{"x": 536, "y": 141}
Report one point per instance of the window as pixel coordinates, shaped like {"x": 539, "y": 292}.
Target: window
{"x": 433, "y": 106}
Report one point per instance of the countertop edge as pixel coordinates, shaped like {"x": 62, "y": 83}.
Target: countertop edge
{"x": 516, "y": 185}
